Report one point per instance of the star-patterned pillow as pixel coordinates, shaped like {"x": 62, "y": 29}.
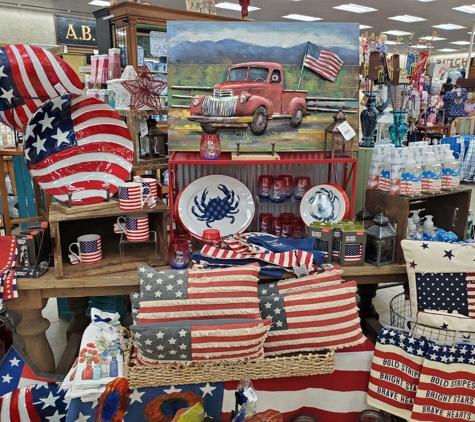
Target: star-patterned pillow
{"x": 329, "y": 277}
{"x": 174, "y": 295}
{"x": 187, "y": 341}
{"x": 448, "y": 327}
{"x": 441, "y": 276}
{"x": 323, "y": 318}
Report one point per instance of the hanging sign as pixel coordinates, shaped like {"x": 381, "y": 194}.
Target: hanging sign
{"x": 75, "y": 31}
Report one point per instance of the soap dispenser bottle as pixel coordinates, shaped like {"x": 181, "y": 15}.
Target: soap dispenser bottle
{"x": 411, "y": 177}
{"x": 430, "y": 231}
{"x": 431, "y": 177}
{"x": 411, "y": 229}
{"x": 415, "y": 217}
{"x": 384, "y": 181}
{"x": 450, "y": 171}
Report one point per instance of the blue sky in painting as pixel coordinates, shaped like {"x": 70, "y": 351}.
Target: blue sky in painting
{"x": 211, "y": 42}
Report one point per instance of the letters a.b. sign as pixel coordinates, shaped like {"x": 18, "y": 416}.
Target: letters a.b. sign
{"x": 75, "y": 31}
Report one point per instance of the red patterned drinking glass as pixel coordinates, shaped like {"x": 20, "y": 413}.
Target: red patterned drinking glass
{"x": 181, "y": 234}
{"x": 179, "y": 254}
{"x": 210, "y": 146}
{"x": 289, "y": 181}
{"x": 211, "y": 237}
{"x": 278, "y": 190}
{"x": 300, "y": 229}
{"x": 263, "y": 185}
{"x": 277, "y": 226}
{"x": 287, "y": 229}
{"x": 301, "y": 185}
{"x": 287, "y": 216}
{"x": 265, "y": 222}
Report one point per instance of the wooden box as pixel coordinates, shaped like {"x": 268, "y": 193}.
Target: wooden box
{"x": 68, "y": 224}
{"x": 449, "y": 208}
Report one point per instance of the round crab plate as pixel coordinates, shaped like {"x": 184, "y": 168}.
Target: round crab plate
{"x": 216, "y": 202}
{"x": 327, "y": 202}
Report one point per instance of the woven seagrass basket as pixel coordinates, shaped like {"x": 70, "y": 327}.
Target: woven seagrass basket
{"x": 295, "y": 365}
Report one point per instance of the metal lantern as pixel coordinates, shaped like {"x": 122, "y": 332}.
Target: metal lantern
{"x": 383, "y": 125}
{"x": 153, "y": 145}
{"x": 335, "y": 143}
{"x": 380, "y": 242}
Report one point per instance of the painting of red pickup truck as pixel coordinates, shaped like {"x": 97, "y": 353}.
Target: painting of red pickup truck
{"x": 252, "y": 95}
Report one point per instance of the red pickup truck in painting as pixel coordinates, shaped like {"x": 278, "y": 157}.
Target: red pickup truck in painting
{"x": 252, "y": 94}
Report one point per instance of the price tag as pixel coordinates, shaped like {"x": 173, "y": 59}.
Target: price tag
{"x": 402, "y": 76}
{"x": 105, "y": 326}
{"x": 250, "y": 394}
{"x": 143, "y": 129}
{"x": 300, "y": 270}
{"x": 460, "y": 140}
{"x": 346, "y": 130}
{"x": 364, "y": 100}
{"x": 326, "y": 266}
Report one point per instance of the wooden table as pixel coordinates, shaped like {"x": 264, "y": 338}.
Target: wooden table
{"x": 443, "y": 129}
{"x": 34, "y": 293}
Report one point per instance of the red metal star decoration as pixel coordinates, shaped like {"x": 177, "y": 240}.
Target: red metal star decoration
{"x": 145, "y": 90}
{"x": 244, "y": 7}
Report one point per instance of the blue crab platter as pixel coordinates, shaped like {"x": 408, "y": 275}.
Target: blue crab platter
{"x": 327, "y": 202}
{"x": 216, "y": 202}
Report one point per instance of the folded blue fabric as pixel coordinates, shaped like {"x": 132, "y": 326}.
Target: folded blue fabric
{"x": 277, "y": 244}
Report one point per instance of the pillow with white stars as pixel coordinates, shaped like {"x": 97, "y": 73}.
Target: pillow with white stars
{"x": 329, "y": 277}
{"x": 323, "y": 318}
{"x": 173, "y": 295}
{"x": 205, "y": 340}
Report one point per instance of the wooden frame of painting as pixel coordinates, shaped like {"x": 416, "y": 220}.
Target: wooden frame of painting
{"x": 260, "y": 83}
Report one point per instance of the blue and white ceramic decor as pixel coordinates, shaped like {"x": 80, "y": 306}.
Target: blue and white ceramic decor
{"x": 158, "y": 43}
{"x": 218, "y": 202}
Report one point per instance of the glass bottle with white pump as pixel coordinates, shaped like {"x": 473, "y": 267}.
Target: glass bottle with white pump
{"x": 431, "y": 174}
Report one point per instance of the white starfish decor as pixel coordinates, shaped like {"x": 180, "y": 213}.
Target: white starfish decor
{"x": 122, "y": 96}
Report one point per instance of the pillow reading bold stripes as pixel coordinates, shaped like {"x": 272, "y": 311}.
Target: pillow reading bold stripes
{"x": 173, "y": 295}
{"x": 186, "y": 341}
{"x": 312, "y": 320}
{"x": 327, "y": 278}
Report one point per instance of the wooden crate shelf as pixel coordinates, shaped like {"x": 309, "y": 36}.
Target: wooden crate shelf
{"x": 67, "y": 226}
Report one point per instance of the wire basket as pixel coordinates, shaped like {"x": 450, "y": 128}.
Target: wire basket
{"x": 400, "y": 311}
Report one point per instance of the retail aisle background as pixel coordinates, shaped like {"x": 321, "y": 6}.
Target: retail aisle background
{"x": 56, "y": 333}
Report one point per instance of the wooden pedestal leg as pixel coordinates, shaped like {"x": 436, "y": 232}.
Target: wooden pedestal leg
{"x": 79, "y": 322}
{"x": 367, "y": 292}
{"x": 32, "y": 328}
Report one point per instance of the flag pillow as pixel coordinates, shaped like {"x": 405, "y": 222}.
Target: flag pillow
{"x": 446, "y": 389}
{"x": 329, "y": 277}
{"x": 441, "y": 276}
{"x": 175, "y": 295}
{"x": 187, "y": 341}
{"x": 442, "y": 326}
{"x": 395, "y": 371}
{"x": 134, "y": 305}
{"x": 323, "y": 318}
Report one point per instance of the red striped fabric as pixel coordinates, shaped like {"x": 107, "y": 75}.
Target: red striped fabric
{"x": 316, "y": 319}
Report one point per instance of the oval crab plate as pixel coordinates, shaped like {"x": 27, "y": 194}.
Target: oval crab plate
{"x": 216, "y": 202}
{"x": 327, "y": 202}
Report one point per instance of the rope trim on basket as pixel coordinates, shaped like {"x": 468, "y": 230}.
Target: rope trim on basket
{"x": 303, "y": 364}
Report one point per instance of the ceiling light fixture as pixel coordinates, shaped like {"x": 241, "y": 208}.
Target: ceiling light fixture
{"x": 232, "y": 6}
{"x": 465, "y": 9}
{"x": 448, "y": 26}
{"x": 355, "y": 8}
{"x": 407, "y": 18}
{"x": 390, "y": 42}
{"x": 100, "y": 3}
{"x": 424, "y": 46}
{"x": 365, "y": 26}
{"x": 460, "y": 42}
{"x": 425, "y": 1}
{"x": 396, "y": 33}
{"x": 447, "y": 50}
{"x": 302, "y": 18}
{"x": 433, "y": 38}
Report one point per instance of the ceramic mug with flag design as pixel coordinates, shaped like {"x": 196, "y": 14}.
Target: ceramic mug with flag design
{"x": 89, "y": 249}
{"x": 132, "y": 196}
{"x": 135, "y": 227}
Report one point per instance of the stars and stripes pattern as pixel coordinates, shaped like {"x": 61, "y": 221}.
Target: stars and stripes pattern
{"x": 329, "y": 277}
{"x": 8, "y": 276}
{"x": 287, "y": 259}
{"x": 317, "y": 319}
{"x": 78, "y": 144}
{"x": 322, "y": 61}
{"x": 174, "y": 295}
{"x": 90, "y": 251}
{"x": 131, "y": 196}
{"x": 446, "y": 388}
{"x": 200, "y": 340}
{"x": 441, "y": 277}
{"x": 28, "y": 76}
{"x": 353, "y": 252}
{"x": 137, "y": 228}
{"x": 395, "y": 372}
{"x": 322, "y": 246}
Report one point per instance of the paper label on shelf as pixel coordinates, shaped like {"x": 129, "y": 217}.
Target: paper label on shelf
{"x": 143, "y": 129}
{"x": 105, "y": 326}
{"x": 346, "y": 130}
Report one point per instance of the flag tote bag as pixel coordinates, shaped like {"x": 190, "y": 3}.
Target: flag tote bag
{"x": 395, "y": 370}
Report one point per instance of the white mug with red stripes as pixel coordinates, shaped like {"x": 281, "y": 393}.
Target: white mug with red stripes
{"x": 132, "y": 196}
{"x": 135, "y": 227}
{"x": 89, "y": 249}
